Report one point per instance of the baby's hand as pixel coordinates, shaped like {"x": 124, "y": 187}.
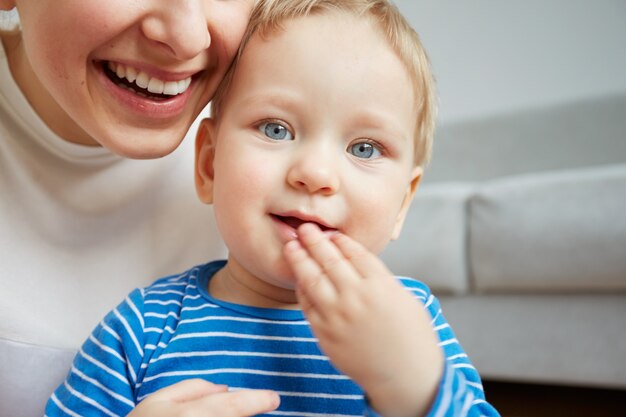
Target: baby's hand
{"x": 196, "y": 397}
{"x": 367, "y": 323}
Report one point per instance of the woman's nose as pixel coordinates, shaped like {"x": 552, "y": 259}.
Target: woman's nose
{"x": 314, "y": 172}
{"x": 181, "y": 27}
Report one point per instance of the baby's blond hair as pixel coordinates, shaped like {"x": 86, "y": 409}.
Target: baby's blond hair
{"x": 267, "y": 18}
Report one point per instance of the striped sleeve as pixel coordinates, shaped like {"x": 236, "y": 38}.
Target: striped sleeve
{"x": 102, "y": 379}
{"x": 460, "y": 391}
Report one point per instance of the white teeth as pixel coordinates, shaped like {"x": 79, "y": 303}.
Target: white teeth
{"x": 142, "y": 80}
{"x": 171, "y": 88}
{"x": 131, "y": 74}
{"x": 153, "y": 85}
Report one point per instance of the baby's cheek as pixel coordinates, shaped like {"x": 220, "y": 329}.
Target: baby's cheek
{"x": 374, "y": 226}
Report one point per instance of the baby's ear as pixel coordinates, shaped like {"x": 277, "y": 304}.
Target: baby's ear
{"x": 416, "y": 177}
{"x": 205, "y": 152}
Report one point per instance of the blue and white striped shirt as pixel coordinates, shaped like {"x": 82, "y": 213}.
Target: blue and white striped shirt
{"x": 174, "y": 330}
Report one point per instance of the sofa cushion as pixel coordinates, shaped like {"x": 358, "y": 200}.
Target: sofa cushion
{"x": 556, "y": 231}
{"x": 28, "y": 375}
{"x": 432, "y": 245}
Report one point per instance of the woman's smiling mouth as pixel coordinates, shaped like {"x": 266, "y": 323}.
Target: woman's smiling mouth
{"x": 147, "y": 97}
{"x": 140, "y": 83}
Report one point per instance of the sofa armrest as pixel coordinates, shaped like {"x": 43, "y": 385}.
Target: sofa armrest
{"x": 432, "y": 245}
{"x": 556, "y": 231}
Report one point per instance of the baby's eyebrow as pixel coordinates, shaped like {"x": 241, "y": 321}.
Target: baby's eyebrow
{"x": 378, "y": 121}
{"x": 277, "y": 98}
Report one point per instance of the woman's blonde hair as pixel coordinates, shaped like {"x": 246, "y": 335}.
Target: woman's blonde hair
{"x": 267, "y": 18}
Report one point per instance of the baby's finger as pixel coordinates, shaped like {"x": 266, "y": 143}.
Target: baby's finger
{"x": 197, "y": 397}
{"x": 243, "y": 403}
{"x": 188, "y": 390}
{"x": 308, "y": 309}
{"x": 313, "y": 287}
{"x": 361, "y": 259}
{"x": 331, "y": 260}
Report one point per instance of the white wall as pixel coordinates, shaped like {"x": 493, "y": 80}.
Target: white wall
{"x": 493, "y": 57}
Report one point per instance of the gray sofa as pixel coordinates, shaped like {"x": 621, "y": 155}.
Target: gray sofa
{"x": 520, "y": 228}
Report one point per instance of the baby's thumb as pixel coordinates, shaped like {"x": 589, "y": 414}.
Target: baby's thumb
{"x": 188, "y": 390}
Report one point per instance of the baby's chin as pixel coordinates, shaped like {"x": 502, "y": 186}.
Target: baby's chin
{"x": 282, "y": 292}
{"x": 283, "y": 281}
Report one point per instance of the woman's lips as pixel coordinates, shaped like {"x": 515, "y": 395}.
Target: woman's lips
{"x": 141, "y": 101}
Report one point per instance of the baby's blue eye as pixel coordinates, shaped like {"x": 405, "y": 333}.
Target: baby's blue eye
{"x": 275, "y": 131}
{"x": 364, "y": 150}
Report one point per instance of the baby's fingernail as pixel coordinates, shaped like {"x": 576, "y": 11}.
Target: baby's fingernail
{"x": 274, "y": 399}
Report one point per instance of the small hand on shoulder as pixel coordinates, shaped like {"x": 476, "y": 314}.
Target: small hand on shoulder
{"x": 197, "y": 397}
